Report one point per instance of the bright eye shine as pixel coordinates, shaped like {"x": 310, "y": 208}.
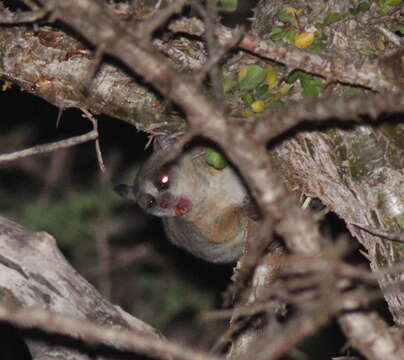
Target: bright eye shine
{"x": 163, "y": 183}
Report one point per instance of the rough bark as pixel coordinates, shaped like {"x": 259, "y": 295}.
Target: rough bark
{"x": 359, "y": 169}
{"x": 57, "y": 67}
{"x": 34, "y": 274}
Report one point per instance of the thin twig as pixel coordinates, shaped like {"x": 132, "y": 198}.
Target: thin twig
{"x": 37, "y": 13}
{"x": 393, "y": 38}
{"x": 94, "y": 121}
{"x": 395, "y": 237}
{"x": 40, "y": 149}
{"x": 8, "y": 17}
{"x": 94, "y": 67}
{"x": 209, "y": 15}
{"x": 215, "y": 57}
{"x": 147, "y": 28}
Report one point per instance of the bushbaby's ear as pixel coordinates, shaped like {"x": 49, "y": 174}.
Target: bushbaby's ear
{"x": 126, "y": 191}
{"x": 163, "y": 142}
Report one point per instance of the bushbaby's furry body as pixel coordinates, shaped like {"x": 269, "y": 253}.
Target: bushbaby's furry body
{"x": 204, "y": 210}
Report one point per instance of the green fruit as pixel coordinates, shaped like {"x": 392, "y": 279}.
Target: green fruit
{"x": 215, "y": 159}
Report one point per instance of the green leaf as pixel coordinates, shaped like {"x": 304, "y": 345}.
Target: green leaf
{"x": 363, "y": 6}
{"x": 286, "y": 16}
{"x": 311, "y": 85}
{"x": 400, "y": 220}
{"x": 331, "y": 18}
{"x": 310, "y": 90}
{"x": 318, "y": 46}
{"x": 274, "y": 104}
{"x": 392, "y": 2}
{"x": 277, "y": 34}
{"x": 248, "y": 99}
{"x": 384, "y": 6}
{"x": 229, "y": 82}
{"x": 215, "y": 159}
{"x": 320, "y": 43}
{"x": 262, "y": 92}
{"x": 291, "y": 36}
{"x": 229, "y": 5}
{"x": 384, "y": 11}
{"x": 354, "y": 11}
{"x": 254, "y": 75}
{"x": 294, "y": 76}
{"x": 400, "y": 29}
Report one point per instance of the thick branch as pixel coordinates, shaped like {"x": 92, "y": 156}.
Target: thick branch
{"x": 95, "y": 334}
{"x": 37, "y": 284}
{"x": 354, "y": 71}
{"x": 360, "y": 108}
{"x": 55, "y": 66}
{"x": 35, "y": 274}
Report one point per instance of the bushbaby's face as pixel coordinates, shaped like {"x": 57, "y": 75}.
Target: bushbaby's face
{"x": 157, "y": 192}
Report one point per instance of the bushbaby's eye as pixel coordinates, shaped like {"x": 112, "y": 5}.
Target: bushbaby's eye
{"x": 150, "y": 202}
{"x": 146, "y": 201}
{"x": 163, "y": 183}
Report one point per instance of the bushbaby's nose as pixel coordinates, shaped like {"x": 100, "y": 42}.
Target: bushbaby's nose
{"x": 166, "y": 201}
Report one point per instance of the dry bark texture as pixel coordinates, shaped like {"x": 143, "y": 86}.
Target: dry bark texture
{"x": 359, "y": 170}
{"x": 34, "y": 274}
{"x": 58, "y": 68}
{"x": 355, "y": 170}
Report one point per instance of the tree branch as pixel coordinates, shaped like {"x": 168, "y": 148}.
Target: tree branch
{"x": 47, "y": 283}
{"x": 41, "y": 149}
{"x": 354, "y": 71}
{"x": 359, "y": 108}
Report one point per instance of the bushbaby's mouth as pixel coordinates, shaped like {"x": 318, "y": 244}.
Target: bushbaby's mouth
{"x": 183, "y": 207}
